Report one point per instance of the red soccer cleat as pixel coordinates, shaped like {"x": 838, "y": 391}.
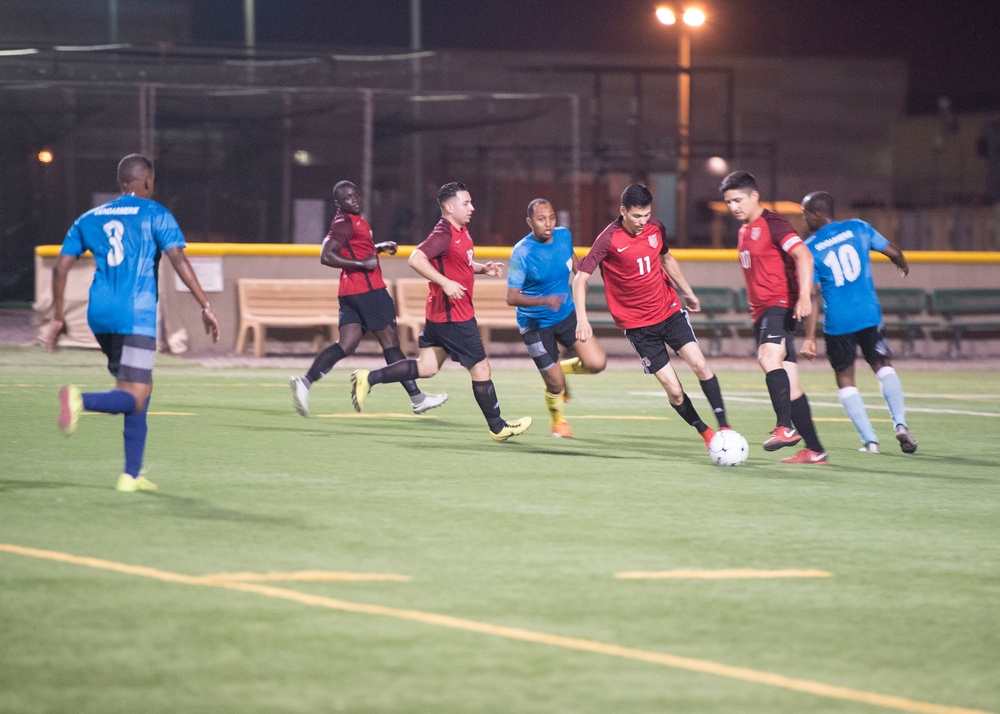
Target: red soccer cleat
{"x": 781, "y": 436}
{"x": 807, "y": 456}
{"x": 707, "y": 435}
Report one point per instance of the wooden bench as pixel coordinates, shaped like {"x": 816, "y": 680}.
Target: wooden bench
{"x": 716, "y": 302}
{"x": 956, "y": 305}
{"x": 489, "y": 298}
{"x": 268, "y": 303}
{"x": 901, "y": 308}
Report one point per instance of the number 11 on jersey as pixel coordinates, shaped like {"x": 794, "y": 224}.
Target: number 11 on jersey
{"x": 643, "y": 264}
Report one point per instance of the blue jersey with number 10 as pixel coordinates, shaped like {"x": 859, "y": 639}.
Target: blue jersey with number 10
{"x": 126, "y": 237}
{"x": 843, "y": 269}
{"x": 539, "y": 269}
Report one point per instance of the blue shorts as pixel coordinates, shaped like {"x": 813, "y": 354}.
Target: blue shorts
{"x": 130, "y": 357}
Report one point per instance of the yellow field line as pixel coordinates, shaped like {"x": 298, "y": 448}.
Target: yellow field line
{"x": 312, "y": 576}
{"x": 733, "y": 573}
{"x": 771, "y": 679}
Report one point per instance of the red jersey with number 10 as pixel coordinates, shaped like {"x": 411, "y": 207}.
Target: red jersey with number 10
{"x": 355, "y": 237}
{"x": 636, "y": 287}
{"x": 450, "y": 251}
{"x": 769, "y": 270}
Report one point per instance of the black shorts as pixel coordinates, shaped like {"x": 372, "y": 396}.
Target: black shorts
{"x": 651, "y": 342}
{"x": 130, "y": 357}
{"x": 543, "y": 342}
{"x": 842, "y": 350}
{"x": 460, "y": 340}
{"x": 775, "y": 325}
{"x": 373, "y": 310}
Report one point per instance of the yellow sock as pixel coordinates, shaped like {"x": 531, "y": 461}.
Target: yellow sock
{"x": 555, "y": 404}
{"x": 573, "y": 366}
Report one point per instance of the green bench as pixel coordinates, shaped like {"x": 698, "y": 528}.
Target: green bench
{"x": 966, "y": 313}
{"x": 901, "y": 308}
{"x": 597, "y": 306}
{"x": 716, "y": 302}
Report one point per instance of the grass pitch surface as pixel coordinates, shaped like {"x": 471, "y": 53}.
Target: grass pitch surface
{"x": 511, "y": 550}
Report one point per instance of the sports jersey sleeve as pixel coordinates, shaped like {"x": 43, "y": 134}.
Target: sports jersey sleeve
{"x": 664, "y": 248}
{"x": 340, "y": 231}
{"x": 166, "y": 231}
{"x": 517, "y": 270}
{"x": 436, "y": 244}
{"x": 598, "y": 251}
{"x": 782, "y": 233}
{"x": 73, "y": 242}
{"x": 876, "y": 240}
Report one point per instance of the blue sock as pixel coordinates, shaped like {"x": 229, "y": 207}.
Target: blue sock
{"x": 892, "y": 391}
{"x": 854, "y": 405}
{"x": 113, "y": 401}
{"x": 135, "y": 441}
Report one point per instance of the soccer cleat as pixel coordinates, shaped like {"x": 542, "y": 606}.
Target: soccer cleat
{"x": 360, "y": 388}
{"x": 707, "y": 435}
{"x": 807, "y": 456}
{"x": 512, "y": 428}
{"x": 128, "y": 484}
{"x": 870, "y": 448}
{"x": 429, "y": 402}
{"x": 562, "y": 430}
{"x": 300, "y": 395}
{"x": 781, "y": 436}
{"x": 70, "y": 408}
{"x": 906, "y": 441}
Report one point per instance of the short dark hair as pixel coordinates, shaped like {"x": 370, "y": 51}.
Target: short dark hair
{"x": 819, "y": 202}
{"x": 636, "y": 195}
{"x": 133, "y": 167}
{"x": 449, "y": 190}
{"x": 739, "y": 181}
{"x": 537, "y": 201}
{"x": 340, "y": 186}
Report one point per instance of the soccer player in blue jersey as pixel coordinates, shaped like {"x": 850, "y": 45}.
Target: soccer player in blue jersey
{"x": 541, "y": 265}
{"x": 126, "y": 237}
{"x": 852, "y": 314}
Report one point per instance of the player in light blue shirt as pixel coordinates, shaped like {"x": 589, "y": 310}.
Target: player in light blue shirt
{"x": 126, "y": 237}
{"x": 538, "y": 285}
{"x": 852, "y": 316}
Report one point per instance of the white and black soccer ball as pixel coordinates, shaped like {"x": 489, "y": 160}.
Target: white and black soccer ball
{"x": 728, "y": 448}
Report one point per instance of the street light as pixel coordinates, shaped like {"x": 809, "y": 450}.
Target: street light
{"x": 690, "y": 17}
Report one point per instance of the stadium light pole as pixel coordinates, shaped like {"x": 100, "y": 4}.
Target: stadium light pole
{"x": 690, "y": 17}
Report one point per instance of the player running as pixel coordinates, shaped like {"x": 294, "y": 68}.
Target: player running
{"x": 852, "y": 316}
{"x": 126, "y": 237}
{"x": 445, "y": 259}
{"x": 541, "y": 265}
{"x": 778, "y": 271}
{"x": 365, "y": 304}
{"x": 636, "y": 264}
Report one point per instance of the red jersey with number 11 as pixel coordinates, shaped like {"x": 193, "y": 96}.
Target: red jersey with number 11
{"x": 450, "y": 251}
{"x": 636, "y": 287}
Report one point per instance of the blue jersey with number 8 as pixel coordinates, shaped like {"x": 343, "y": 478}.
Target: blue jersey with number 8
{"x": 843, "y": 269}
{"x": 126, "y": 237}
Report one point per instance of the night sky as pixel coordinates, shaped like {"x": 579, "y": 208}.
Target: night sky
{"x": 951, "y": 48}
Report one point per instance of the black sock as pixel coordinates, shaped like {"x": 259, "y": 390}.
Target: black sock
{"x": 780, "y": 390}
{"x": 803, "y": 421}
{"x": 690, "y": 414}
{"x": 713, "y": 392}
{"x": 486, "y": 398}
{"x": 396, "y": 372}
{"x": 324, "y": 362}
{"x": 393, "y": 355}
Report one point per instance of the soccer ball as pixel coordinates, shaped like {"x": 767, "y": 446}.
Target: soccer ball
{"x": 728, "y": 448}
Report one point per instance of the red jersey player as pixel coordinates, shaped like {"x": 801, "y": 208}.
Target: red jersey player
{"x": 639, "y": 278}
{"x": 445, "y": 259}
{"x": 778, "y": 269}
{"x": 365, "y": 304}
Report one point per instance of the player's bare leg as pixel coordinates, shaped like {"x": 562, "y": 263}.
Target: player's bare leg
{"x": 681, "y": 402}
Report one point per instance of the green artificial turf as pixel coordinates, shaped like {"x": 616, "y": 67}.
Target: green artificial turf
{"x": 527, "y": 534}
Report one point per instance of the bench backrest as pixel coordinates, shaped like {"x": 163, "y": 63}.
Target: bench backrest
{"x": 715, "y": 300}
{"x": 490, "y": 299}
{"x": 259, "y": 296}
{"x": 411, "y": 297}
{"x": 902, "y": 301}
{"x": 952, "y": 301}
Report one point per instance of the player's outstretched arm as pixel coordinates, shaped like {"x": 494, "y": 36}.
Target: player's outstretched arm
{"x": 515, "y": 298}
{"x": 804, "y": 267}
{"x": 491, "y": 268}
{"x": 673, "y": 269}
{"x": 388, "y": 247}
{"x": 188, "y": 277}
{"x": 60, "y": 272}
{"x": 899, "y": 260}
{"x": 583, "y": 329}
{"x": 422, "y": 266}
